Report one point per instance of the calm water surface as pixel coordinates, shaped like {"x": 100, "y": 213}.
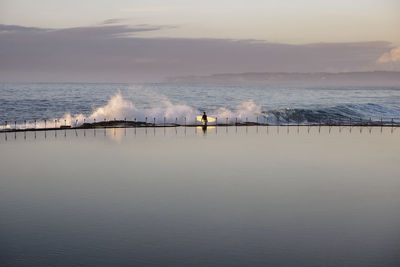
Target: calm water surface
{"x": 179, "y": 197}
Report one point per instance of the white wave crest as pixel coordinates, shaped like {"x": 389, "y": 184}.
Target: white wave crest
{"x": 119, "y": 108}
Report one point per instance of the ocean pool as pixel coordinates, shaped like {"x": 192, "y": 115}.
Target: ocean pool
{"x": 230, "y": 196}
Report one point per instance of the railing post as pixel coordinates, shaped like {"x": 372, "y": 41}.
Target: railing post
{"x": 45, "y": 124}
{"x": 164, "y": 121}
{"x": 226, "y": 121}
{"x": 216, "y": 121}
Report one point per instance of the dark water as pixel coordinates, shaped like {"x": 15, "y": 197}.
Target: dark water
{"x": 245, "y": 196}
{"x": 268, "y": 103}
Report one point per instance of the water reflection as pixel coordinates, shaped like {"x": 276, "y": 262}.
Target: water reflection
{"x": 184, "y": 197}
{"x": 204, "y": 129}
{"x": 118, "y": 134}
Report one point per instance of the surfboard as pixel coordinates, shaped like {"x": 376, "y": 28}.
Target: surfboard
{"x": 209, "y": 119}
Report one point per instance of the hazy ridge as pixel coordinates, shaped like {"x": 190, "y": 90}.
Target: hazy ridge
{"x": 374, "y": 77}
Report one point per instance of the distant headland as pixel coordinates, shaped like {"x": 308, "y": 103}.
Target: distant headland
{"x": 365, "y": 78}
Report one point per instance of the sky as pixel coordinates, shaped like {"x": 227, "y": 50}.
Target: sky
{"x": 120, "y": 40}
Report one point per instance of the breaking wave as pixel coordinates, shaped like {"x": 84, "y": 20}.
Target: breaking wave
{"x": 119, "y": 108}
{"x": 346, "y": 113}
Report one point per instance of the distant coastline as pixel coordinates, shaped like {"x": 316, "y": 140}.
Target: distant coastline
{"x": 367, "y": 78}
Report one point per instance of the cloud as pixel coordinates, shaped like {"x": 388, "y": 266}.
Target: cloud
{"x": 145, "y": 10}
{"x": 15, "y": 28}
{"x": 112, "y": 21}
{"x": 99, "y": 53}
{"x": 106, "y": 29}
{"x": 391, "y": 56}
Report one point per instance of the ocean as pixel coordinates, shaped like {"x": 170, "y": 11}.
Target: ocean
{"x": 199, "y": 196}
{"x": 74, "y": 103}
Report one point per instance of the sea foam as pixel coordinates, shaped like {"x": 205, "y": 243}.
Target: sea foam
{"x": 118, "y": 108}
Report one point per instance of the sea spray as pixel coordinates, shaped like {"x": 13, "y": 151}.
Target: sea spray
{"x": 296, "y": 104}
{"x": 246, "y": 111}
{"x": 118, "y": 108}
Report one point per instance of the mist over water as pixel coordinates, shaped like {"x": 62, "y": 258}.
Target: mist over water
{"x": 74, "y": 103}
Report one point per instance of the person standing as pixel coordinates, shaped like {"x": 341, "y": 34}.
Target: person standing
{"x": 204, "y": 119}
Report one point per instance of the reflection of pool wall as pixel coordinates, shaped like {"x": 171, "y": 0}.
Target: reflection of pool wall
{"x": 42, "y": 126}
{"x": 249, "y": 124}
{"x": 117, "y": 133}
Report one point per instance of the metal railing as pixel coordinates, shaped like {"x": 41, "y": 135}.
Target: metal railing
{"x": 186, "y": 122}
